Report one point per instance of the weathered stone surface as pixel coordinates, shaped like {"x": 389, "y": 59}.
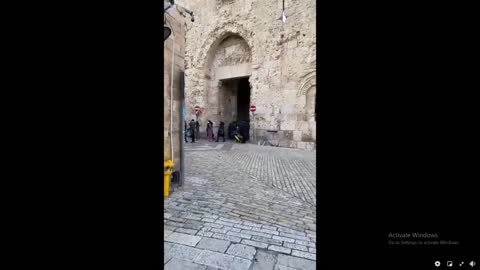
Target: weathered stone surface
{"x": 179, "y": 264}
{"x": 283, "y": 267}
{"x": 306, "y": 255}
{"x": 226, "y": 41}
{"x": 305, "y": 243}
{"x": 213, "y": 244}
{"x": 295, "y": 246}
{"x": 256, "y": 233}
{"x": 185, "y": 239}
{"x": 295, "y": 262}
{"x": 287, "y": 230}
{"x": 267, "y": 240}
{"x": 172, "y": 250}
{"x": 242, "y": 235}
{"x": 241, "y": 251}
{"x": 176, "y": 21}
{"x": 254, "y": 243}
{"x": 280, "y": 249}
{"x": 231, "y": 238}
{"x": 240, "y": 185}
{"x": 264, "y": 261}
{"x": 285, "y": 239}
{"x": 187, "y": 231}
{"x": 240, "y": 264}
{"x": 295, "y": 236}
{"x": 214, "y": 259}
{"x": 166, "y": 233}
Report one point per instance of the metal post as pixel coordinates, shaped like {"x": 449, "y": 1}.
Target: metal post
{"x": 254, "y": 135}
{"x": 182, "y": 127}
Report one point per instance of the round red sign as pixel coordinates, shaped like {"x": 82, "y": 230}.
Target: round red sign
{"x": 253, "y": 108}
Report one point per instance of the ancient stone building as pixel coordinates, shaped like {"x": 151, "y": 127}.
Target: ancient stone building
{"x": 173, "y": 68}
{"x": 242, "y": 52}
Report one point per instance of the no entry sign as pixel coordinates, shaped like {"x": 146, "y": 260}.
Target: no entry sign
{"x": 253, "y": 108}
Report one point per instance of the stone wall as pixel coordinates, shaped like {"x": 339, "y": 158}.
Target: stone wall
{"x": 233, "y": 38}
{"x": 177, "y": 23}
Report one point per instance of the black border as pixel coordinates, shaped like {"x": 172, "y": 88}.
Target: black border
{"x": 92, "y": 129}
{"x": 395, "y": 138}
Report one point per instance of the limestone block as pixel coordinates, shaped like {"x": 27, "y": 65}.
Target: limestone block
{"x": 261, "y": 132}
{"x": 301, "y": 145}
{"x": 288, "y": 108}
{"x": 302, "y": 101}
{"x": 292, "y": 144}
{"x": 307, "y": 137}
{"x": 291, "y": 116}
{"x": 297, "y": 135}
{"x": 283, "y": 143}
{"x": 302, "y": 125}
{"x": 274, "y": 142}
{"x": 288, "y": 135}
{"x": 310, "y": 146}
{"x": 301, "y": 116}
{"x": 291, "y": 96}
{"x": 288, "y": 125}
{"x": 292, "y": 85}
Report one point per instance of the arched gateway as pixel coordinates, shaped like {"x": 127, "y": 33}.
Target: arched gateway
{"x": 227, "y": 69}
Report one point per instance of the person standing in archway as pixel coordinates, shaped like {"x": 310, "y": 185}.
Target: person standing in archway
{"x": 210, "y": 131}
{"x": 192, "y": 130}
{"x": 197, "y": 129}
{"x": 221, "y": 132}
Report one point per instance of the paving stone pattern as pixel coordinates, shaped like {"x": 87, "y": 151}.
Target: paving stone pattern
{"x": 291, "y": 170}
{"x": 227, "y": 215}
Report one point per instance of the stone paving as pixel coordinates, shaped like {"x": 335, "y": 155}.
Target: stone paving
{"x": 231, "y": 215}
{"x": 291, "y": 170}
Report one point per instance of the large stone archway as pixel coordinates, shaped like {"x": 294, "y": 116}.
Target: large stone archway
{"x": 222, "y": 69}
{"x": 280, "y": 71}
{"x": 227, "y": 71}
{"x": 206, "y": 68}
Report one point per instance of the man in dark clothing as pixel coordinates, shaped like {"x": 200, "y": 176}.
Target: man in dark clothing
{"x": 231, "y": 130}
{"x": 221, "y": 131}
{"x": 197, "y": 128}
{"x": 210, "y": 134}
{"x": 192, "y": 130}
{"x": 186, "y": 132}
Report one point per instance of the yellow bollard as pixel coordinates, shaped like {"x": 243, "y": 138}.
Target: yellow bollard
{"x": 168, "y": 167}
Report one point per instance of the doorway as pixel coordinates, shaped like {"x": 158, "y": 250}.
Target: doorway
{"x": 243, "y": 100}
{"x": 234, "y": 100}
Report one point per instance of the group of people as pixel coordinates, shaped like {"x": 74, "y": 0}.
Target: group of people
{"x": 193, "y": 128}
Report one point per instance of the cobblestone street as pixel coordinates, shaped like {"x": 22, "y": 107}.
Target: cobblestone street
{"x": 242, "y": 206}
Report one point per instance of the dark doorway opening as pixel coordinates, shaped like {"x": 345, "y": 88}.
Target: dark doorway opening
{"x": 243, "y": 100}
{"x": 234, "y": 105}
